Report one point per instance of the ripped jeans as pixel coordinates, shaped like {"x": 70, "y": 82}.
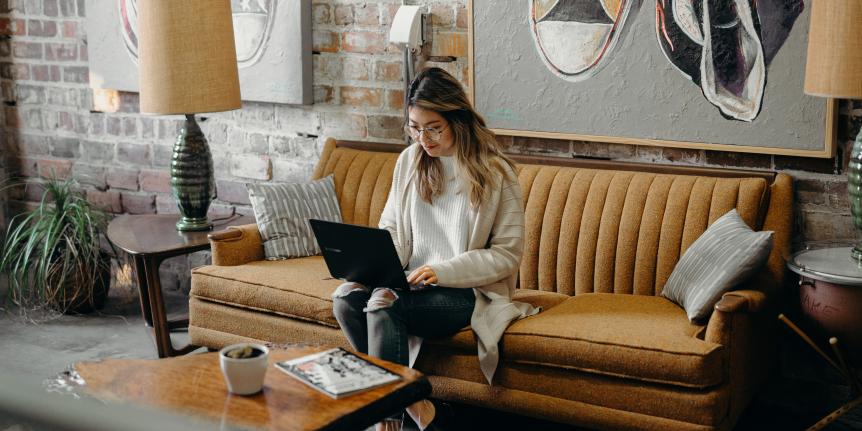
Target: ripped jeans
{"x": 377, "y": 322}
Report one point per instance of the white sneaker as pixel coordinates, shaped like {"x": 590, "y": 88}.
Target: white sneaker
{"x": 575, "y": 37}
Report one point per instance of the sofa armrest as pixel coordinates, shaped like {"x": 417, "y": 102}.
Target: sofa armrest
{"x": 733, "y": 306}
{"x": 744, "y": 323}
{"x": 236, "y": 245}
{"x": 742, "y": 301}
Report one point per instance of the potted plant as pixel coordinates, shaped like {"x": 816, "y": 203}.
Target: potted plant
{"x": 53, "y": 255}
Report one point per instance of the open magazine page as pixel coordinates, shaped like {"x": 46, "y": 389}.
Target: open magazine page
{"x": 337, "y": 372}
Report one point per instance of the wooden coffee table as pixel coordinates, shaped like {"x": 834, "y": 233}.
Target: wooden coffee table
{"x": 194, "y": 385}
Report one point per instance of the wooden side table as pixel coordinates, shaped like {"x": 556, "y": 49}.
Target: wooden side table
{"x": 151, "y": 239}
{"x": 830, "y": 291}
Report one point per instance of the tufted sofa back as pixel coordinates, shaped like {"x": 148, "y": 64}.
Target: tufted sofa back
{"x": 362, "y": 181}
{"x": 594, "y": 230}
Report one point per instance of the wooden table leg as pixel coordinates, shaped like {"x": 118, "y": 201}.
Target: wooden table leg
{"x": 161, "y": 326}
{"x": 179, "y": 324}
{"x": 140, "y": 274}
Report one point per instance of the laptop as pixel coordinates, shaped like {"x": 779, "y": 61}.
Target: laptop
{"x": 360, "y": 254}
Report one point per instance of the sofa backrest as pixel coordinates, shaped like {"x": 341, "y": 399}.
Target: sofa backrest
{"x": 362, "y": 181}
{"x": 595, "y": 230}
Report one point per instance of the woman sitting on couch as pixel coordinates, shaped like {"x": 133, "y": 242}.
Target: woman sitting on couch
{"x": 456, "y": 217}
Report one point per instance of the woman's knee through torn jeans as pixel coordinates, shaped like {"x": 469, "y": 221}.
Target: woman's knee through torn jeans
{"x": 377, "y": 321}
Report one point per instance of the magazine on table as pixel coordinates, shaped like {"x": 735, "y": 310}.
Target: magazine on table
{"x": 337, "y": 372}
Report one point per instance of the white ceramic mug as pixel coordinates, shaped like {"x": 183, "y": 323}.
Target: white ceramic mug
{"x": 244, "y": 376}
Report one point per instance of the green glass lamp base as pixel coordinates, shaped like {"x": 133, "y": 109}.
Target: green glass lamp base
{"x": 192, "y": 183}
{"x": 193, "y": 224}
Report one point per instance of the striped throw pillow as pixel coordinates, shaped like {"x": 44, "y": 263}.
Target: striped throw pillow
{"x": 282, "y": 212}
{"x": 727, "y": 254}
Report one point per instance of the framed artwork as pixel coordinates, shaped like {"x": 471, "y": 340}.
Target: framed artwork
{"x": 721, "y": 75}
{"x": 273, "y": 47}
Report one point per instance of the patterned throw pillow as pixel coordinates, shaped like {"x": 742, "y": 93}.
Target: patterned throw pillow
{"x": 725, "y": 255}
{"x": 282, "y": 212}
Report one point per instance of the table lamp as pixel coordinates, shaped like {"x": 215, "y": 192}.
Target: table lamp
{"x": 834, "y": 69}
{"x": 187, "y": 61}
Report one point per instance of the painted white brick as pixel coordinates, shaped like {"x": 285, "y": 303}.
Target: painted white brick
{"x": 342, "y": 125}
{"x": 292, "y": 119}
{"x": 292, "y": 171}
{"x": 254, "y": 167}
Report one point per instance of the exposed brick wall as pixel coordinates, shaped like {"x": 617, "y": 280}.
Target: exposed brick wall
{"x": 121, "y": 158}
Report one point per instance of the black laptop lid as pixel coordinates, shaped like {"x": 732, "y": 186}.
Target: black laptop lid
{"x": 358, "y": 253}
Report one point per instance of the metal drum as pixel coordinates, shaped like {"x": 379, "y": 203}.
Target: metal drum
{"x": 830, "y": 291}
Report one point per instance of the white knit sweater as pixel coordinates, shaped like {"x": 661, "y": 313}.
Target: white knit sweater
{"x": 490, "y": 264}
{"x": 441, "y": 229}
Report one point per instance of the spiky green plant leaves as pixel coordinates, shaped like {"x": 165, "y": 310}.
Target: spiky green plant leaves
{"x": 52, "y": 254}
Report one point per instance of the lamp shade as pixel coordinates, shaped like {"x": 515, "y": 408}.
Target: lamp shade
{"x": 834, "y": 66}
{"x": 187, "y": 57}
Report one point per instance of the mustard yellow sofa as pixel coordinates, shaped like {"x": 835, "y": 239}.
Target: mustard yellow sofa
{"x": 602, "y": 238}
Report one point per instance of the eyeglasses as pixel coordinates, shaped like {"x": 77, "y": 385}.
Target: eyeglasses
{"x": 432, "y": 134}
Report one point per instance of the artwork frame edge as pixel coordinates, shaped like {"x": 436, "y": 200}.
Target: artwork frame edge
{"x": 826, "y": 152}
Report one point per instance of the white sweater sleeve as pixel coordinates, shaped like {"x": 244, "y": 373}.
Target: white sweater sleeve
{"x": 502, "y": 257}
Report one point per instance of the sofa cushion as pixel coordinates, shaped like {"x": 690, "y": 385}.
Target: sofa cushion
{"x": 298, "y": 288}
{"x": 282, "y": 212}
{"x": 539, "y": 298}
{"x": 465, "y": 340}
{"x": 727, "y": 254}
{"x": 219, "y": 325}
{"x": 636, "y": 336}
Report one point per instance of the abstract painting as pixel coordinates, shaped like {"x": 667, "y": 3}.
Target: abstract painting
{"x": 272, "y": 39}
{"x": 718, "y": 74}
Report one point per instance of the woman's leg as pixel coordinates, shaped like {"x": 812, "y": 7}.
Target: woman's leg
{"x": 348, "y": 304}
{"x": 387, "y": 338}
{"x": 436, "y": 313}
{"x": 439, "y": 312}
{"x": 430, "y": 313}
{"x": 387, "y": 327}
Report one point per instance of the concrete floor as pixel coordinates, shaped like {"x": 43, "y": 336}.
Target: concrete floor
{"x": 38, "y": 352}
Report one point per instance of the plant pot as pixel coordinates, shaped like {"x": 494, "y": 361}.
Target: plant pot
{"x": 84, "y": 292}
{"x": 244, "y": 376}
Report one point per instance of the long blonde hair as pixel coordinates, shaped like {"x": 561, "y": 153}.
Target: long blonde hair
{"x": 477, "y": 150}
